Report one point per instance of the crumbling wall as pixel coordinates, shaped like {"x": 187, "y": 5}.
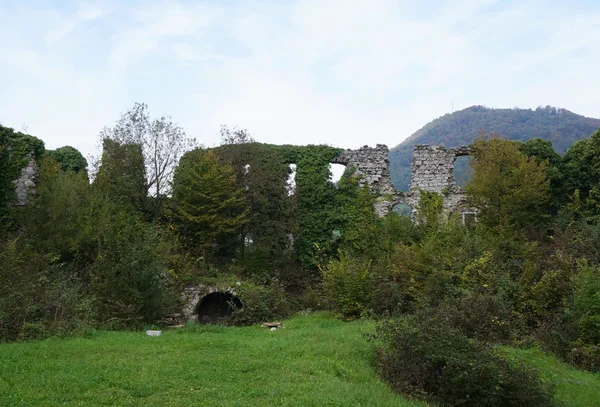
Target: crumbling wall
{"x": 373, "y": 168}
{"x": 432, "y": 170}
{"x": 26, "y": 182}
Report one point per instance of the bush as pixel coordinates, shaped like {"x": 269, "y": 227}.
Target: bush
{"x": 129, "y": 278}
{"x": 37, "y": 299}
{"x": 585, "y": 308}
{"x": 441, "y": 365}
{"x": 574, "y": 336}
{"x": 260, "y": 303}
{"x": 484, "y": 317}
{"x": 348, "y": 285}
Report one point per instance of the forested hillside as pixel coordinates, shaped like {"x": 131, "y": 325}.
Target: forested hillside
{"x": 559, "y": 126}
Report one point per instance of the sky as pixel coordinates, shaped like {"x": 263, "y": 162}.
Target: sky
{"x": 341, "y": 72}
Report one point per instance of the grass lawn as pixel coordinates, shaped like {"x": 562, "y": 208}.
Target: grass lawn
{"x": 313, "y": 361}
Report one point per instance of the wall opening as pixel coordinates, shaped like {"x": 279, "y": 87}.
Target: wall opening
{"x": 468, "y": 218}
{"x": 336, "y": 170}
{"x": 216, "y": 307}
{"x": 463, "y": 172}
{"x": 291, "y": 180}
{"x": 403, "y": 209}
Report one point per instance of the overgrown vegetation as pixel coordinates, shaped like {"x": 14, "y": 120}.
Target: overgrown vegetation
{"x": 117, "y": 252}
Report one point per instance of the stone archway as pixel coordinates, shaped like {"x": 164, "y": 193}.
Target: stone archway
{"x": 209, "y": 304}
{"x": 216, "y": 307}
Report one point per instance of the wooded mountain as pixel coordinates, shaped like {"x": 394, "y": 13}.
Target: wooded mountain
{"x": 560, "y": 126}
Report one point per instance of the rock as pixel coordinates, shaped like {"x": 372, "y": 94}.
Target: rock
{"x": 273, "y": 329}
{"x": 153, "y": 333}
{"x": 272, "y": 324}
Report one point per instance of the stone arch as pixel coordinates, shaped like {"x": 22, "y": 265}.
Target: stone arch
{"x": 216, "y": 307}
{"x": 209, "y": 304}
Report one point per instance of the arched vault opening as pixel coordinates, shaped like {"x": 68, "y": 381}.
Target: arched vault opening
{"x": 216, "y": 307}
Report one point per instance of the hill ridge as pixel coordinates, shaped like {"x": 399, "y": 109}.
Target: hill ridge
{"x": 559, "y": 125}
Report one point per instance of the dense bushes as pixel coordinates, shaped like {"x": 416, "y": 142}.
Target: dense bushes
{"x": 348, "y": 285}
{"x": 574, "y": 334}
{"x": 433, "y": 361}
{"x": 260, "y": 303}
{"x": 38, "y": 299}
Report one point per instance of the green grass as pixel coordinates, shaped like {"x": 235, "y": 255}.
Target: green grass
{"x": 313, "y": 361}
{"x": 573, "y": 387}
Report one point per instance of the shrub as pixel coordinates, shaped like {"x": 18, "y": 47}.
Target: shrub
{"x": 260, "y": 303}
{"x": 348, "y": 285}
{"x": 441, "y": 365}
{"x": 129, "y": 278}
{"x": 585, "y": 308}
{"x": 485, "y": 317}
{"x": 37, "y": 299}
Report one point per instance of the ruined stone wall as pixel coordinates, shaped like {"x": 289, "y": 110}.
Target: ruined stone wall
{"x": 373, "y": 168}
{"x": 432, "y": 170}
{"x": 26, "y": 182}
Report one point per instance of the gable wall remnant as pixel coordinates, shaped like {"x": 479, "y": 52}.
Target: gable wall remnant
{"x": 373, "y": 168}
{"x": 432, "y": 170}
{"x": 25, "y": 184}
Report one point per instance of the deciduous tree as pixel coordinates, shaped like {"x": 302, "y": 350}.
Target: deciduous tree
{"x": 508, "y": 188}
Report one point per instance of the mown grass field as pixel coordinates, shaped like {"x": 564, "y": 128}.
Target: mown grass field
{"x": 314, "y": 361}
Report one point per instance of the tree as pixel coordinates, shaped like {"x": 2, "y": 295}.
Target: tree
{"x": 235, "y": 136}
{"x": 69, "y": 158}
{"x": 121, "y": 177}
{"x": 542, "y": 151}
{"x": 163, "y": 143}
{"x": 582, "y": 174}
{"x": 508, "y": 188}
{"x": 207, "y": 206}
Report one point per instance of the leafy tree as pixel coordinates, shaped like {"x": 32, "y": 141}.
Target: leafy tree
{"x": 162, "y": 144}
{"x": 121, "y": 177}
{"x": 69, "y": 158}
{"x": 261, "y": 172}
{"x": 57, "y": 219}
{"x": 508, "y": 188}
{"x": 582, "y": 175}
{"x": 542, "y": 151}
{"x": 207, "y": 206}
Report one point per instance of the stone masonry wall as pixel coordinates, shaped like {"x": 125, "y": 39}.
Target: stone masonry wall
{"x": 26, "y": 182}
{"x": 432, "y": 170}
{"x": 373, "y": 165}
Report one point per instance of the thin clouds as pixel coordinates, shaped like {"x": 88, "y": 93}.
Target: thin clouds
{"x": 342, "y": 72}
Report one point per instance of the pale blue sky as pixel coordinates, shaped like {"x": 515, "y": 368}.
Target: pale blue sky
{"x": 342, "y": 72}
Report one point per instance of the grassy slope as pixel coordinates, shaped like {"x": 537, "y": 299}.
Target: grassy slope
{"x": 573, "y": 387}
{"x": 314, "y": 361}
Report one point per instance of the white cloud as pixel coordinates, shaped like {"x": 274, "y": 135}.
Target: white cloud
{"x": 344, "y": 72}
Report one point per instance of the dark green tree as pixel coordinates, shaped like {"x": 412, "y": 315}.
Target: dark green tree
{"x": 121, "y": 177}
{"x": 582, "y": 175}
{"x": 69, "y": 158}
{"x": 206, "y": 206}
